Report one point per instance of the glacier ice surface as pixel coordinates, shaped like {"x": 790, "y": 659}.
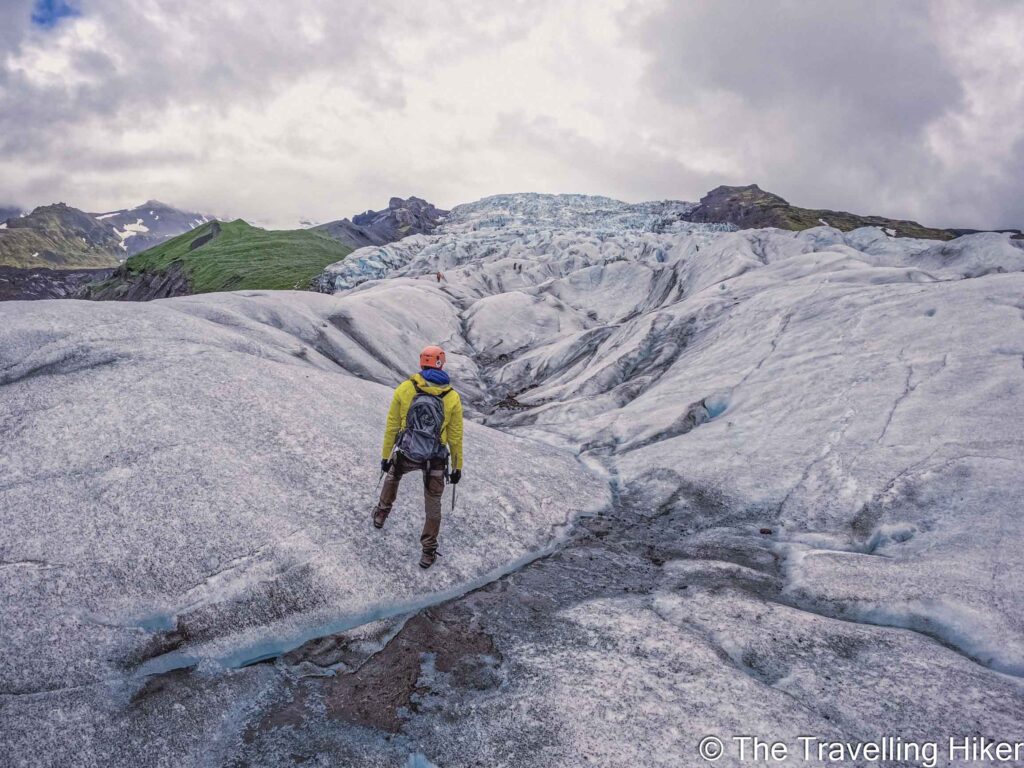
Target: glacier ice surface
{"x": 192, "y": 476}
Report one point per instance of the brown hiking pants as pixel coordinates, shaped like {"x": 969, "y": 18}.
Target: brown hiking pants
{"x": 433, "y": 488}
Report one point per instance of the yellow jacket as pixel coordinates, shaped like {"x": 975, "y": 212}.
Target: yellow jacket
{"x": 451, "y": 430}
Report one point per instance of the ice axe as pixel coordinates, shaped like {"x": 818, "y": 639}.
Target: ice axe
{"x": 448, "y": 481}
{"x": 383, "y": 472}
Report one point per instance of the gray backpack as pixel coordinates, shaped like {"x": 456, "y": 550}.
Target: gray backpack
{"x": 421, "y": 438}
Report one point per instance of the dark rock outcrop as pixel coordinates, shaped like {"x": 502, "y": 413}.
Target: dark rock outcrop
{"x": 212, "y": 234}
{"x": 400, "y": 219}
{"x": 123, "y": 285}
{"x": 42, "y": 283}
{"x": 750, "y": 207}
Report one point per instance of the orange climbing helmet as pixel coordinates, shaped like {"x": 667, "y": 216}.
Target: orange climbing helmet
{"x": 432, "y": 357}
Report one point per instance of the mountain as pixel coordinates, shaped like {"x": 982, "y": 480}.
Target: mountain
{"x": 149, "y": 224}
{"x": 8, "y": 212}
{"x": 61, "y": 237}
{"x": 400, "y": 219}
{"x": 57, "y": 236}
{"x": 750, "y": 207}
{"x": 222, "y": 256}
{"x": 236, "y": 255}
{"x": 712, "y": 478}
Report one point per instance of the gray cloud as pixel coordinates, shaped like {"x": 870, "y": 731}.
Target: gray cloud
{"x": 313, "y": 109}
{"x": 835, "y": 104}
{"x": 636, "y": 172}
{"x": 215, "y": 55}
{"x": 14, "y": 15}
{"x": 877, "y": 64}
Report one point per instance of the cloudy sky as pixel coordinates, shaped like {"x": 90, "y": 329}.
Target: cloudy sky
{"x": 281, "y": 111}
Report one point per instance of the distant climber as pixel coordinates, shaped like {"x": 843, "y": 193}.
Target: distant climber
{"x": 424, "y": 431}
{"x": 440, "y": 276}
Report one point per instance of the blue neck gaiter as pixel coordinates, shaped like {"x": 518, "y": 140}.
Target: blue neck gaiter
{"x": 435, "y": 376}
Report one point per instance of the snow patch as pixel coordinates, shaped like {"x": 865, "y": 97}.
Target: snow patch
{"x": 137, "y": 227}
{"x": 129, "y": 231}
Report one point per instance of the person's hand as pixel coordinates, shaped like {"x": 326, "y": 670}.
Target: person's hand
{"x": 455, "y": 476}
{"x": 385, "y": 465}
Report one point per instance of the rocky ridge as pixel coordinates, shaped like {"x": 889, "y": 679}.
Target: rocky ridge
{"x": 402, "y": 217}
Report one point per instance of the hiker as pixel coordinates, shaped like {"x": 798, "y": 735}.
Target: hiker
{"x": 440, "y": 276}
{"x": 424, "y": 429}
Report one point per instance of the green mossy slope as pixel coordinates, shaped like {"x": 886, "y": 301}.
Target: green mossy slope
{"x": 231, "y": 256}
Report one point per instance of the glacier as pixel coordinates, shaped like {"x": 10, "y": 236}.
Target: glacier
{"x": 718, "y": 482}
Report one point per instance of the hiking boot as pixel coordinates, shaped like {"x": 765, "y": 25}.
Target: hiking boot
{"x": 379, "y": 518}
{"x": 427, "y": 559}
